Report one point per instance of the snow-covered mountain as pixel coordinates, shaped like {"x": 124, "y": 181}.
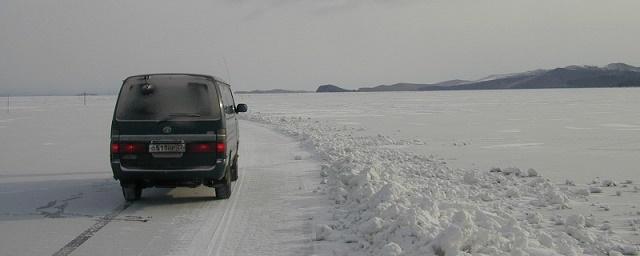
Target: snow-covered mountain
{"x": 612, "y": 75}
{"x": 575, "y": 76}
{"x": 500, "y": 76}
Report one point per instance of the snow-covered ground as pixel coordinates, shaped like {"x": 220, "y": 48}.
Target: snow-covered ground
{"x": 57, "y": 196}
{"x": 566, "y": 133}
{"x": 395, "y": 194}
{"x": 536, "y": 172}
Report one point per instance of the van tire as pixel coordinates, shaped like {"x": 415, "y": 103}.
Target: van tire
{"x": 223, "y": 190}
{"x": 131, "y": 192}
{"x": 234, "y": 169}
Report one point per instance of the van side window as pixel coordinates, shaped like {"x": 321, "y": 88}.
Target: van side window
{"x": 231, "y": 98}
{"x": 227, "y": 100}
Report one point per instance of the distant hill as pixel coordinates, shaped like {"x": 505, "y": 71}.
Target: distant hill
{"x": 331, "y": 88}
{"x": 271, "y": 91}
{"x": 612, "y": 75}
{"x": 409, "y": 86}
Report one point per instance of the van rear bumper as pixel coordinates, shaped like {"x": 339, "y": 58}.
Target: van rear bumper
{"x": 171, "y": 178}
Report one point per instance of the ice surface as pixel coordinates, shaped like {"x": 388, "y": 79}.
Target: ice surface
{"x": 406, "y": 174}
{"x": 55, "y": 183}
{"x": 476, "y": 129}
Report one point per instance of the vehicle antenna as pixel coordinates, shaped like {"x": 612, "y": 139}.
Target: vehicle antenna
{"x": 227, "y": 68}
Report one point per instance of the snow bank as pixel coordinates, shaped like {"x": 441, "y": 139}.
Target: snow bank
{"x": 391, "y": 202}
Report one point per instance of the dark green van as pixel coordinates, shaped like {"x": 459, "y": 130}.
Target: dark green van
{"x": 175, "y": 130}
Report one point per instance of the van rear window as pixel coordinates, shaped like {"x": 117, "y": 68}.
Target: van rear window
{"x": 168, "y": 97}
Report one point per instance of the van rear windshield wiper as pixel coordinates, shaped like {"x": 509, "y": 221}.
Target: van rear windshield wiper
{"x": 172, "y": 115}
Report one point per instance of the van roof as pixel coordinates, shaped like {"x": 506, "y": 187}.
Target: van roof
{"x": 183, "y": 74}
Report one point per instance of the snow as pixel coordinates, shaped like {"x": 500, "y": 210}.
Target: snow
{"x": 384, "y": 195}
{"x": 51, "y": 194}
{"x": 458, "y": 126}
{"x": 391, "y": 249}
{"x": 392, "y": 199}
{"x": 345, "y": 180}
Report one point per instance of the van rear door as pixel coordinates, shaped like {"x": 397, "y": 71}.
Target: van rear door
{"x": 167, "y": 122}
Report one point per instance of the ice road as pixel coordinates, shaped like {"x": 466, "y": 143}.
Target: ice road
{"x": 47, "y": 208}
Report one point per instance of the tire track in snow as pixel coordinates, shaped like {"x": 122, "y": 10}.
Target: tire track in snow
{"x": 267, "y": 214}
{"x": 223, "y": 225}
{"x": 226, "y": 220}
{"x": 85, "y": 235}
{"x": 210, "y": 237}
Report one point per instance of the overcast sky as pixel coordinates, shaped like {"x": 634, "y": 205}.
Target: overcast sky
{"x": 67, "y": 46}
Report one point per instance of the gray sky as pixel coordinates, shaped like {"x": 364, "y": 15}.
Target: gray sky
{"x": 68, "y": 46}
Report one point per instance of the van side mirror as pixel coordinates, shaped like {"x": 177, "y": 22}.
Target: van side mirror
{"x": 241, "y": 108}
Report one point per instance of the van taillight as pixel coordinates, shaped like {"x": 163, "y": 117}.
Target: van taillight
{"x": 201, "y": 147}
{"x": 115, "y": 148}
{"x": 132, "y": 148}
{"x": 220, "y": 147}
{"x": 217, "y": 147}
{"x": 127, "y": 148}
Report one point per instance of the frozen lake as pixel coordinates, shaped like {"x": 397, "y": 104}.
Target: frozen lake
{"x": 577, "y": 134}
{"x": 54, "y": 176}
{"x": 58, "y": 197}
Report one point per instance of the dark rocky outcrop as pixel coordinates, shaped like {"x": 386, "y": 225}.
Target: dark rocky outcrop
{"x": 331, "y": 88}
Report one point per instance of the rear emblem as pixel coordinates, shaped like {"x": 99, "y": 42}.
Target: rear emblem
{"x": 167, "y": 129}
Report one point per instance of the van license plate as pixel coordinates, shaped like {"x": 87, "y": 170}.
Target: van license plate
{"x": 166, "y": 148}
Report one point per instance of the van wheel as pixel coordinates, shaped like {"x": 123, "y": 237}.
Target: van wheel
{"x": 234, "y": 169}
{"x": 223, "y": 190}
{"x": 131, "y": 192}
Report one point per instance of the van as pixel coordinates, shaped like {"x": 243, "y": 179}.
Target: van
{"x": 175, "y": 130}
